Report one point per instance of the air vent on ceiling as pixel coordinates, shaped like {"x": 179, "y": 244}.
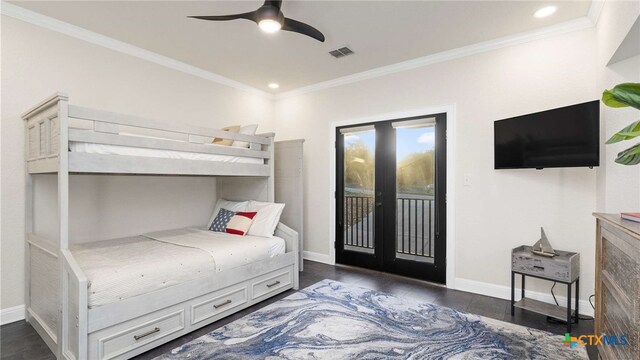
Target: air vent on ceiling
{"x": 343, "y": 51}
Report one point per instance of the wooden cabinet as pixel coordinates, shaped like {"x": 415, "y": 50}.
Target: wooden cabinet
{"x": 618, "y": 284}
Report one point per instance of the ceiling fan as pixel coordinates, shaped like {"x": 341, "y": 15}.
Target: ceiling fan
{"x": 270, "y": 19}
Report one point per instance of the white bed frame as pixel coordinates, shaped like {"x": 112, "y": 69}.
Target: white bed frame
{"x": 56, "y": 287}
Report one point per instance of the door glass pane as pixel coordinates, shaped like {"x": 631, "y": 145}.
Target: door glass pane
{"x": 415, "y": 190}
{"x": 359, "y": 185}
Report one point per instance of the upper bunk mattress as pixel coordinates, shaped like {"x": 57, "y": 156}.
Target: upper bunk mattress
{"x": 93, "y": 148}
{"x": 124, "y": 268}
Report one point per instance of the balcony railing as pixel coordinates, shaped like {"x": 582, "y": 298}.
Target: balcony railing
{"x": 359, "y": 221}
{"x": 414, "y": 224}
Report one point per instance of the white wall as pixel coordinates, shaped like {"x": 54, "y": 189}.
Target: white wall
{"x": 37, "y": 63}
{"x": 502, "y": 208}
{"x": 618, "y": 185}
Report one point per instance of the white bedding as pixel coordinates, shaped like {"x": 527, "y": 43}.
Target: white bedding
{"x": 124, "y": 268}
{"x": 228, "y": 251}
{"x": 92, "y": 148}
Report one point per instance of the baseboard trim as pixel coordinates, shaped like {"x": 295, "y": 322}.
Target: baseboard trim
{"x": 318, "y": 257}
{"x": 12, "y": 314}
{"x": 504, "y": 292}
{"x": 479, "y": 287}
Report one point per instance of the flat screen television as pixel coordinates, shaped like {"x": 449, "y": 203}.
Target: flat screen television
{"x": 564, "y": 137}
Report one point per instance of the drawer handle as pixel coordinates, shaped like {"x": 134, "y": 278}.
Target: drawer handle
{"x": 138, "y": 337}
{"x": 273, "y": 284}
{"x": 222, "y": 304}
{"x": 538, "y": 267}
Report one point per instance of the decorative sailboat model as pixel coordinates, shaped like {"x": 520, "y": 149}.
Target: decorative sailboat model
{"x": 542, "y": 246}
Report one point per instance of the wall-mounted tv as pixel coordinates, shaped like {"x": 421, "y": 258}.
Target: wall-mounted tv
{"x": 564, "y": 137}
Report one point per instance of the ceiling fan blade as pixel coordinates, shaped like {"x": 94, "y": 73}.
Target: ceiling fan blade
{"x": 249, "y": 16}
{"x": 302, "y": 28}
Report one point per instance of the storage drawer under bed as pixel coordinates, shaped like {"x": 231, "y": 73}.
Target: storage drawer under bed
{"x": 218, "y": 302}
{"x": 133, "y": 334}
{"x": 271, "y": 283}
{"x": 132, "y": 337}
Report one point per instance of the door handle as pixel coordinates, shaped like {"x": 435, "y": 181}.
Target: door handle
{"x": 378, "y": 204}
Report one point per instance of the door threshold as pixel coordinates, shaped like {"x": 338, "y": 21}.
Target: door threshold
{"x": 392, "y": 275}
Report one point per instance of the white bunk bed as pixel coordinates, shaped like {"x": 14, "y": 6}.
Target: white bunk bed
{"x": 57, "y": 299}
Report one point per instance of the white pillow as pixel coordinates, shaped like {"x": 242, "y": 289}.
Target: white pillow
{"x": 247, "y": 130}
{"x": 229, "y": 205}
{"x": 266, "y": 219}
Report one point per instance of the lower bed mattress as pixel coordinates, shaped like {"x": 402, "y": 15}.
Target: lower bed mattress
{"x": 123, "y": 268}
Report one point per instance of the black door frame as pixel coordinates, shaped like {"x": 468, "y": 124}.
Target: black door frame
{"x": 385, "y": 193}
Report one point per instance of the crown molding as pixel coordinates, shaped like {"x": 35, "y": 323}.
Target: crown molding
{"x": 595, "y": 10}
{"x": 77, "y": 32}
{"x": 486, "y": 46}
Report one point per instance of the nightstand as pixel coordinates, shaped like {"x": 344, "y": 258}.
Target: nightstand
{"x": 564, "y": 268}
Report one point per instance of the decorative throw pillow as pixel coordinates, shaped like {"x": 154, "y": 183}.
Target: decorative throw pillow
{"x": 226, "y": 142}
{"x": 247, "y": 130}
{"x": 240, "y": 223}
{"x": 229, "y": 205}
{"x": 266, "y": 221}
{"x": 219, "y": 224}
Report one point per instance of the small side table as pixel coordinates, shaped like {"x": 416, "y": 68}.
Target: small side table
{"x": 563, "y": 268}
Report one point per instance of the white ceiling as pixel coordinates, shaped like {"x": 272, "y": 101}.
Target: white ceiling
{"x": 380, "y": 32}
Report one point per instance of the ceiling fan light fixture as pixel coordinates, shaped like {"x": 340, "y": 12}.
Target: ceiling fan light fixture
{"x": 269, "y": 25}
{"x": 270, "y": 19}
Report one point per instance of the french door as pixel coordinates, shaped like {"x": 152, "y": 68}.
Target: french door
{"x": 391, "y": 196}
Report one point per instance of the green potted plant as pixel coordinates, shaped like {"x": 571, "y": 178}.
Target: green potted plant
{"x": 624, "y": 95}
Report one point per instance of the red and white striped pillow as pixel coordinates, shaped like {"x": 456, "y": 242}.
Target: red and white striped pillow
{"x": 240, "y": 223}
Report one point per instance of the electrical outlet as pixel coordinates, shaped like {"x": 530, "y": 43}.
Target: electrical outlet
{"x": 466, "y": 180}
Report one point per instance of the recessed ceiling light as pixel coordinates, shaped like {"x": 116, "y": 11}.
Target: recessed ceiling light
{"x": 274, "y": 86}
{"x": 545, "y": 11}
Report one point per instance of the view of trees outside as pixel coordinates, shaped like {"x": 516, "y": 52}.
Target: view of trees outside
{"x": 359, "y": 162}
{"x": 414, "y": 161}
{"x": 359, "y": 184}
{"x": 415, "y": 173}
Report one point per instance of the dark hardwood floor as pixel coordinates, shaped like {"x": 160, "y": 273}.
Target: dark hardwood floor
{"x": 20, "y": 341}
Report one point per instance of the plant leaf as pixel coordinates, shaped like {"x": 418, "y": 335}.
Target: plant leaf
{"x": 609, "y": 99}
{"x": 631, "y": 134}
{"x": 623, "y": 95}
{"x": 631, "y": 156}
{"x": 626, "y": 133}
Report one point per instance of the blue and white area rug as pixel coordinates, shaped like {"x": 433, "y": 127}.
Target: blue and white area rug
{"x": 332, "y": 320}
